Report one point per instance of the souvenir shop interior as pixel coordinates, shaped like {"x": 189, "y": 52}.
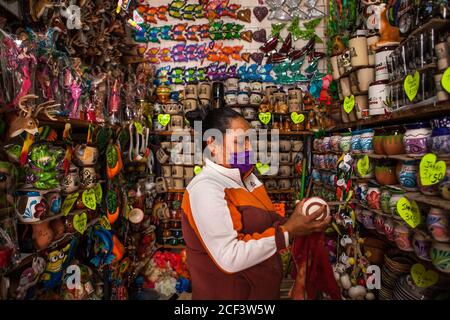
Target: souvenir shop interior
{"x": 98, "y": 99}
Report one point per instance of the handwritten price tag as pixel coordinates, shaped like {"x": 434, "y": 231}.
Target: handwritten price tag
{"x": 423, "y": 278}
{"x": 88, "y": 198}
{"x": 430, "y": 171}
{"x": 80, "y": 222}
{"x": 349, "y": 103}
{"x": 68, "y": 203}
{"x": 445, "y": 81}
{"x": 409, "y": 211}
{"x": 164, "y": 119}
{"x": 197, "y": 170}
{"x": 262, "y": 168}
{"x": 363, "y": 166}
{"x": 411, "y": 85}
{"x": 297, "y": 117}
{"x": 265, "y": 117}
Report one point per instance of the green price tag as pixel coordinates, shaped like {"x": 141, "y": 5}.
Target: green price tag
{"x": 88, "y": 198}
{"x": 80, "y": 222}
{"x": 297, "y": 117}
{"x": 164, "y": 119}
{"x": 349, "y": 103}
{"x": 197, "y": 170}
{"x": 445, "y": 81}
{"x": 138, "y": 127}
{"x": 265, "y": 117}
{"x": 430, "y": 171}
{"x": 363, "y": 165}
{"x": 409, "y": 211}
{"x": 262, "y": 168}
{"x": 68, "y": 203}
{"x": 422, "y": 277}
{"x": 411, "y": 85}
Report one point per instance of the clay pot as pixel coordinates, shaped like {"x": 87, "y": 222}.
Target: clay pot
{"x": 393, "y": 142}
{"x": 378, "y": 141}
{"x": 42, "y": 235}
{"x": 385, "y": 173}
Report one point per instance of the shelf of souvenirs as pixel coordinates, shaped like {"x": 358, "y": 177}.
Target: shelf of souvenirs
{"x": 405, "y": 113}
{"x": 326, "y": 169}
{"x": 78, "y": 123}
{"x": 268, "y": 191}
{"x": 277, "y": 177}
{"x": 169, "y": 246}
{"x": 326, "y": 186}
{"x": 183, "y": 132}
{"x": 391, "y": 245}
{"x": 26, "y": 258}
{"x": 420, "y": 70}
{"x": 434, "y": 23}
{"x": 405, "y": 157}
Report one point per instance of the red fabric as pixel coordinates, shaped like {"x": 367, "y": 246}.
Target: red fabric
{"x": 312, "y": 270}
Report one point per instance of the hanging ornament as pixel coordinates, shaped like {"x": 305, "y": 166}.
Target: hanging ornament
{"x": 311, "y": 10}
{"x": 260, "y": 35}
{"x": 276, "y": 29}
{"x": 260, "y": 13}
{"x": 277, "y": 11}
{"x": 244, "y": 15}
{"x": 245, "y": 56}
{"x": 246, "y": 35}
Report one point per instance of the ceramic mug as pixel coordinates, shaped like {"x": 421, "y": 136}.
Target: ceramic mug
{"x": 270, "y": 184}
{"x": 231, "y": 98}
{"x": 402, "y": 238}
{"x": 160, "y": 185}
{"x": 54, "y": 202}
{"x": 365, "y": 77}
{"x": 358, "y": 50}
{"x": 297, "y": 145}
{"x": 284, "y": 171}
{"x": 71, "y": 181}
{"x": 178, "y": 183}
{"x": 165, "y": 145}
{"x": 166, "y": 171}
{"x": 284, "y": 184}
{"x": 243, "y": 98}
{"x": 30, "y": 206}
{"x": 440, "y": 256}
{"x": 244, "y": 86}
{"x": 385, "y": 196}
{"x": 162, "y": 156}
{"x": 188, "y": 159}
{"x": 285, "y": 145}
{"x": 373, "y": 198}
{"x": 422, "y": 245}
{"x": 345, "y": 86}
{"x": 190, "y": 91}
{"x": 285, "y": 157}
{"x": 190, "y": 105}
{"x": 188, "y": 172}
{"x": 204, "y": 91}
{"x": 169, "y": 182}
{"x": 256, "y": 124}
{"x": 361, "y": 192}
{"x": 85, "y": 155}
{"x": 335, "y": 67}
{"x": 176, "y": 122}
{"x": 438, "y": 224}
{"x": 255, "y": 98}
{"x": 177, "y": 172}
{"x": 88, "y": 177}
{"x": 232, "y": 84}
{"x": 249, "y": 113}
{"x": 389, "y": 226}
{"x": 173, "y": 108}
{"x": 256, "y": 86}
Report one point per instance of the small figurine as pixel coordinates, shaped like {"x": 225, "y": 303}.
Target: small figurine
{"x": 388, "y": 34}
{"x": 30, "y": 277}
{"x": 57, "y": 261}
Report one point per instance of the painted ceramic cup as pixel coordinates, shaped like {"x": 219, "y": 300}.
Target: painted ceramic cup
{"x": 385, "y": 196}
{"x": 438, "y": 224}
{"x": 440, "y": 140}
{"x": 30, "y": 206}
{"x": 54, "y": 202}
{"x": 88, "y": 177}
{"x": 326, "y": 144}
{"x": 422, "y": 245}
{"x": 440, "y": 256}
{"x": 335, "y": 142}
{"x": 71, "y": 181}
{"x": 416, "y": 138}
{"x": 402, "y": 238}
{"x": 389, "y": 226}
{"x": 368, "y": 219}
{"x": 85, "y": 155}
{"x": 393, "y": 142}
{"x": 367, "y": 141}
{"x": 345, "y": 143}
{"x": 356, "y": 142}
{"x": 378, "y": 141}
{"x": 444, "y": 186}
{"x": 361, "y": 192}
{"x": 395, "y": 196}
{"x": 373, "y": 198}
{"x": 407, "y": 175}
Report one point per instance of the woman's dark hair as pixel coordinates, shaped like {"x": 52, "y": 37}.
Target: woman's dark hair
{"x": 219, "y": 119}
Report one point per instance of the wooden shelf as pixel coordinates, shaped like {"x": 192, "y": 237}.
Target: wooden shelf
{"x": 281, "y": 191}
{"x": 191, "y": 132}
{"x": 326, "y": 169}
{"x": 423, "y": 68}
{"x": 409, "y": 113}
{"x": 434, "y": 23}
{"x": 277, "y": 177}
{"x": 176, "y": 190}
{"x": 402, "y": 156}
{"x": 168, "y": 246}
{"x": 77, "y": 123}
{"x": 169, "y": 133}
{"x": 434, "y": 201}
{"x": 243, "y": 105}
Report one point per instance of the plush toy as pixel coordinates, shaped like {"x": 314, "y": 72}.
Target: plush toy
{"x": 57, "y": 263}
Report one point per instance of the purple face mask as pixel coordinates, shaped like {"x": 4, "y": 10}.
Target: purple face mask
{"x": 242, "y": 161}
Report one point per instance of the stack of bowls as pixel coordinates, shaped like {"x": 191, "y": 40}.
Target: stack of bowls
{"x": 393, "y": 267}
{"x": 405, "y": 289}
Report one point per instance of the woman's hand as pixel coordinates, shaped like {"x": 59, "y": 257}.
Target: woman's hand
{"x": 300, "y": 225}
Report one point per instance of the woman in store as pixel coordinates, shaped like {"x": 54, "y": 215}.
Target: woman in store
{"x": 230, "y": 227}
